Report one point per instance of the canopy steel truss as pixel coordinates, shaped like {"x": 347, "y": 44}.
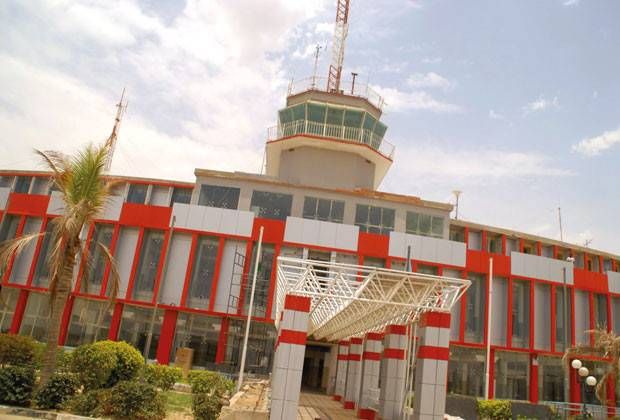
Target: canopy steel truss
{"x": 349, "y": 300}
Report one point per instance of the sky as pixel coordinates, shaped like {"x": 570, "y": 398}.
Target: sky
{"x": 514, "y": 103}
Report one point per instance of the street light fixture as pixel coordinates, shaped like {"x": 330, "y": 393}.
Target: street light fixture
{"x": 586, "y": 380}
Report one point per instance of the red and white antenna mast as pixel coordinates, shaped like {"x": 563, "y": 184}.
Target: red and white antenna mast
{"x": 120, "y": 111}
{"x": 341, "y": 29}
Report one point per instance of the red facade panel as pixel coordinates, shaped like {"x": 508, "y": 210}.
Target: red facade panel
{"x": 154, "y": 217}
{"x": 373, "y": 245}
{"x": 594, "y": 282}
{"x": 273, "y": 232}
{"x": 166, "y": 337}
{"x": 30, "y": 204}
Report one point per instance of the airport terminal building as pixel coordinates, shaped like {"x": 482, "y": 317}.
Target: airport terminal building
{"x": 186, "y": 252}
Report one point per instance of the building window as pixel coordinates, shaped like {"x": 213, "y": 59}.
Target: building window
{"x": 217, "y": 196}
{"x": 42, "y": 270}
{"x": 7, "y": 307}
{"x": 424, "y": 224}
{"x": 495, "y": 244}
{"x": 373, "y": 219}
{"x": 476, "y": 304}
{"x": 457, "y": 234}
{"x": 550, "y": 378}
{"x": 374, "y": 262}
{"x": 542, "y": 317}
{"x": 520, "y": 314}
{"x": 201, "y": 334}
{"x": 499, "y": 324}
{"x": 22, "y": 184}
{"x": 90, "y": 322}
{"x": 150, "y": 253}
{"x": 512, "y": 375}
{"x": 562, "y": 319}
{"x": 36, "y": 317}
{"x": 137, "y": 193}
{"x": 466, "y": 371}
{"x": 181, "y": 195}
{"x": 615, "y": 313}
{"x": 261, "y": 340}
{"x": 91, "y": 282}
{"x": 600, "y": 311}
{"x": 263, "y": 281}
{"x": 8, "y": 229}
{"x": 203, "y": 272}
{"x": 427, "y": 269}
{"x": 135, "y": 327}
{"x": 323, "y": 209}
{"x": 271, "y": 205}
{"x": 474, "y": 240}
{"x": 6, "y": 181}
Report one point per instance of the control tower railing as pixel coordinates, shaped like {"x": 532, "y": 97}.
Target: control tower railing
{"x": 338, "y": 132}
{"x": 347, "y": 87}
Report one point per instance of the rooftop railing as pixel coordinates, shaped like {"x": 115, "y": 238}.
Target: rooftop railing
{"x": 347, "y": 87}
{"x": 339, "y": 132}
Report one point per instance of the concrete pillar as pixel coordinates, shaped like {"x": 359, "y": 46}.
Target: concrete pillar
{"x": 332, "y": 364}
{"x": 431, "y": 372}
{"x": 371, "y": 363}
{"x": 289, "y": 358}
{"x": 354, "y": 370}
{"x": 393, "y": 367}
{"x": 341, "y": 371}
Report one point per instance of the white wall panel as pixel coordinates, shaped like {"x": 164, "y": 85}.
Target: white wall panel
{"x": 4, "y": 197}
{"x": 176, "y": 268}
{"x": 435, "y": 250}
{"x": 160, "y": 196}
{"x": 614, "y": 281}
{"x": 213, "y": 219}
{"x": 226, "y": 284}
{"x": 534, "y": 266}
{"x": 125, "y": 250}
{"x": 56, "y": 205}
{"x": 23, "y": 262}
{"x": 542, "y": 316}
{"x": 318, "y": 233}
{"x": 112, "y": 210}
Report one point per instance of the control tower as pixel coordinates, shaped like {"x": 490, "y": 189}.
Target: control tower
{"x": 332, "y": 139}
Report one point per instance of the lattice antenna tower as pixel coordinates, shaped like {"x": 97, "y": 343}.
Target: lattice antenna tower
{"x": 121, "y": 107}
{"x": 341, "y": 30}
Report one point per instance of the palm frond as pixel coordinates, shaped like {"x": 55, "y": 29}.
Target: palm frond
{"x": 114, "y": 277}
{"x": 16, "y": 246}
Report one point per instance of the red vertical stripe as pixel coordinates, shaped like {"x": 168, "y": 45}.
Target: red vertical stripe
{"x": 116, "y": 321}
{"x": 166, "y": 337}
{"x": 533, "y": 379}
{"x": 66, "y": 318}
{"x": 492, "y": 374}
{"x": 220, "y": 356}
{"x": 18, "y": 315}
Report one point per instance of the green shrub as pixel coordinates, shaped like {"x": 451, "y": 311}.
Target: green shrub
{"x": 56, "y": 391}
{"x": 206, "y": 406}
{"x": 17, "y": 350}
{"x": 105, "y": 363}
{"x": 90, "y": 403}
{"x": 16, "y": 385}
{"x": 136, "y": 400}
{"x": 495, "y": 409}
{"x": 207, "y": 382}
{"x": 162, "y": 376}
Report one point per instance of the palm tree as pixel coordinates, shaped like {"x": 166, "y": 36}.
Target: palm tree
{"x": 607, "y": 346}
{"x": 84, "y": 190}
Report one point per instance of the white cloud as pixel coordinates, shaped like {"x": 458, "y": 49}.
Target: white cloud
{"x": 429, "y": 80}
{"x": 595, "y": 145}
{"x": 497, "y": 116}
{"x": 571, "y": 2}
{"x": 324, "y": 28}
{"x": 399, "y": 101}
{"x": 432, "y": 60}
{"x": 541, "y": 104}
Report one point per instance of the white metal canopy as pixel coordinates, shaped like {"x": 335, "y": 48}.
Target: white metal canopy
{"x": 349, "y": 300}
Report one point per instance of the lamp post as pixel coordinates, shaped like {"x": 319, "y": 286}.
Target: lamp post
{"x": 585, "y": 379}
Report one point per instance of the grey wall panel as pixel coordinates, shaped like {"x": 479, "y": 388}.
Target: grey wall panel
{"x": 125, "y": 250}
{"x": 4, "y": 197}
{"x": 318, "y": 233}
{"x": 228, "y": 284}
{"x": 112, "y": 210}
{"x": 534, "y": 266}
{"x": 499, "y": 323}
{"x": 424, "y": 248}
{"x": 23, "y": 262}
{"x": 542, "y": 316}
{"x": 176, "y": 267}
{"x": 614, "y": 281}
{"x": 213, "y": 219}
{"x": 56, "y": 205}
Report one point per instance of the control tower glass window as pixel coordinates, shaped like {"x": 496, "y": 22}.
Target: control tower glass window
{"x": 271, "y": 205}
{"x": 323, "y": 209}
{"x": 217, "y": 196}
{"x": 373, "y": 219}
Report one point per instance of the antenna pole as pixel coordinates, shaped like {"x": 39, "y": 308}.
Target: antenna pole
{"x": 316, "y": 63}
{"x": 120, "y": 111}
{"x": 354, "y": 75}
{"x": 341, "y": 29}
{"x": 456, "y": 193}
{"x": 560, "y": 218}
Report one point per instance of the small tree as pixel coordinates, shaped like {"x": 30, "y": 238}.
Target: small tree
{"x": 607, "y": 346}
{"x": 85, "y": 192}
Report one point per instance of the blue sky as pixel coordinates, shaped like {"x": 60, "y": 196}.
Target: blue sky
{"x": 516, "y": 103}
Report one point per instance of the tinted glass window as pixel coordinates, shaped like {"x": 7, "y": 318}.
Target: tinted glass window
{"x": 271, "y": 205}
{"x": 181, "y": 195}
{"x": 41, "y": 274}
{"x": 217, "y": 196}
{"x": 424, "y": 224}
{"x": 22, "y": 185}
{"x": 323, "y": 209}
{"x": 91, "y": 283}
{"x": 316, "y": 113}
{"x": 6, "y": 181}
{"x": 373, "y": 219}
{"x": 8, "y": 228}
{"x": 334, "y": 116}
{"x": 150, "y": 254}
{"x": 137, "y": 193}
{"x": 203, "y": 272}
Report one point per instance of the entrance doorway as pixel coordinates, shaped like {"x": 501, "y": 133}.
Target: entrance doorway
{"x": 314, "y": 376}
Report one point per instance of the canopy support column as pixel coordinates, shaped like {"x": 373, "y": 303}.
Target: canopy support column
{"x": 341, "y": 371}
{"x": 431, "y": 374}
{"x": 352, "y": 391}
{"x": 289, "y": 358}
{"x": 393, "y": 367}
{"x": 371, "y": 362}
